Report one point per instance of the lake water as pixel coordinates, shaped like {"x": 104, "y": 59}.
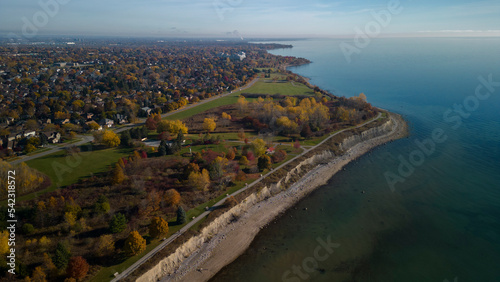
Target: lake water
{"x": 443, "y": 222}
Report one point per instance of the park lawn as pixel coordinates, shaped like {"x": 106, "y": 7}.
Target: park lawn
{"x": 90, "y": 162}
{"x": 264, "y": 86}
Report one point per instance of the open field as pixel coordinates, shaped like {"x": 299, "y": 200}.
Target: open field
{"x": 263, "y": 86}
{"x": 266, "y": 86}
{"x": 82, "y": 165}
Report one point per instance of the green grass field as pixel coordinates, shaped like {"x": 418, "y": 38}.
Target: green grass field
{"x": 65, "y": 170}
{"x": 266, "y": 86}
{"x": 263, "y": 86}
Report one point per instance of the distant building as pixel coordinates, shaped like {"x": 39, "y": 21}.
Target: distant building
{"x": 239, "y": 56}
{"x": 53, "y": 137}
{"x": 107, "y": 122}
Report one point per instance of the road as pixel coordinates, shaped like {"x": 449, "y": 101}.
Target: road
{"x": 170, "y": 239}
{"x": 87, "y": 138}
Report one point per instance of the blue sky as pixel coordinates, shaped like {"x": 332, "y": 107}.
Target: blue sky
{"x": 248, "y": 18}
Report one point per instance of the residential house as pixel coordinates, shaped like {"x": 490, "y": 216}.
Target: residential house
{"x": 107, "y": 122}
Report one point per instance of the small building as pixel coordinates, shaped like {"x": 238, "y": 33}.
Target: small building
{"x": 107, "y": 122}
{"x": 53, "y": 137}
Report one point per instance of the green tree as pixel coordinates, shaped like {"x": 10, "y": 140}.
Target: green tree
{"x": 181, "y": 215}
{"x": 118, "y": 223}
{"x": 125, "y": 138}
{"x": 61, "y": 256}
{"x": 158, "y": 227}
{"x": 28, "y": 229}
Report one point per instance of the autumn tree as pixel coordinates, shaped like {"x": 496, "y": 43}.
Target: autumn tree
{"x": 110, "y": 139}
{"x": 38, "y": 275}
{"x": 362, "y": 97}
{"x": 105, "y": 245}
{"x": 93, "y": 125}
{"x": 134, "y": 244}
{"x": 259, "y": 147}
{"x": 4, "y": 242}
{"x": 296, "y": 144}
{"x": 264, "y": 162}
{"x": 158, "y": 227}
{"x": 172, "y": 197}
{"x": 151, "y": 123}
{"x": 209, "y": 124}
{"x": 77, "y": 268}
{"x": 243, "y": 160}
{"x": 242, "y": 104}
{"x": 199, "y": 180}
{"x": 230, "y": 154}
{"x": 118, "y": 223}
{"x": 118, "y": 175}
{"x": 48, "y": 265}
{"x": 306, "y": 131}
{"x": 172, "y": 126}
{"x": 181, "y": 215}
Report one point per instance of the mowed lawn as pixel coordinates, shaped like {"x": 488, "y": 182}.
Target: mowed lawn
{"x": 281, "y": 87}
{"x": 263, "y": 86}
{"x": 64, "y": 170}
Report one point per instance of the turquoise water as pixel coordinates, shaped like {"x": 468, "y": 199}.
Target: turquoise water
{"x": 443, "y": 222}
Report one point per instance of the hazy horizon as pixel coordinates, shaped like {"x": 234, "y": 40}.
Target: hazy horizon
{"x": 256, "y": 19}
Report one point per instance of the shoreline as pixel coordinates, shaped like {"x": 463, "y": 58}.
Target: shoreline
{"x": 234, "y": 239}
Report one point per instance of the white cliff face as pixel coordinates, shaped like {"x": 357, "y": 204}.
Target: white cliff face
{"x": 170, "y": 264}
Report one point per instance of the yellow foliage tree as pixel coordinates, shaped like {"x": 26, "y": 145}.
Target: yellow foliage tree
{"x": 172, "y": 197}
{"x": 242, "y": 103}
{"x": 70, "y": 218}
{"x": 172, "y": 126}
{"x": 110, "y": 139}
{"x": 39, "y": 275}
{"x": 259, "y": 147}
{"x": 209, "y": 124}
{"x": 105, "y": 245}
{"x": 226, "y": 116}
{"x": 158, "y": 227}
{"x": 134, "y": 244}
{"x": 199, "y": 180}
{"x": 4, "y": 242}
{"x": 118, "y": 175}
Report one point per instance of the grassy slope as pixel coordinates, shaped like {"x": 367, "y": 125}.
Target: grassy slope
{"x": 83, "y": 165}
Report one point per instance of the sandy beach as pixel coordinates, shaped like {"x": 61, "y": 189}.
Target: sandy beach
{"x": 234, "y": 239}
